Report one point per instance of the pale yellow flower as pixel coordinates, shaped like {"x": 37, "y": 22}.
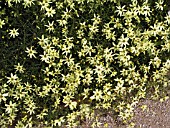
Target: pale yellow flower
{"x": 14, "y": 32}
{"x": 31, "y": 52}
{"x": 1, "y": 23}
{"x": 50, "y": 12}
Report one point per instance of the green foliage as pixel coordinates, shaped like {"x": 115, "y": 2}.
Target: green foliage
{"x": 59, "y": 61}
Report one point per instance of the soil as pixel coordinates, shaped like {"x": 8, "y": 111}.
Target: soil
{"x": 156, "y": 115}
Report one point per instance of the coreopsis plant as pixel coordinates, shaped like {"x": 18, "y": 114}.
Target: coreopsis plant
{"x": 62, "y": 60}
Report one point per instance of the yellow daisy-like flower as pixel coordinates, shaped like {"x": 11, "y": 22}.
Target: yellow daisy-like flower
{"x": 50, "y": 26}
{"x": 1, "y": 23}
{"x": 31, "y": 52}
{"x": 50, "y": 12}
{"x": 19, "y": 68}
{"x": 14, "y": 32}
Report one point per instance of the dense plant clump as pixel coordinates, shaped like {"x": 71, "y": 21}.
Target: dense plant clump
{"x": 62, "y": 59}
